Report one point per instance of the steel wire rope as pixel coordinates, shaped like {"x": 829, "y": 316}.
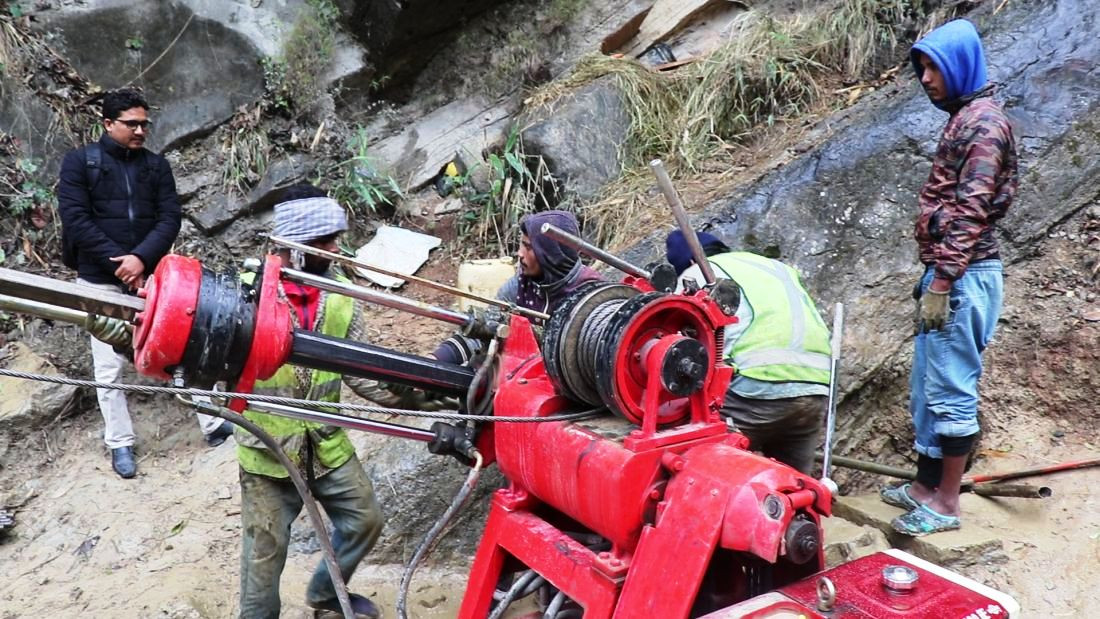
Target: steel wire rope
{"x": 253, "y": 397}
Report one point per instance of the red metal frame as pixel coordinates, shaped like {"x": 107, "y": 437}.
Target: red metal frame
{"x": 666, "y": 493}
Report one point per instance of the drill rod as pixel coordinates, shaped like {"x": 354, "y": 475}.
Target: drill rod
{"x": 70, "y": 294}
{"x": 585, "y": 247}
{"x": 968, "y": 485}
{"x": 379, "y": 298}
{"x": 43, "y": 310}
{"x": 682, "y": 219}
{"x": 345, "y": 260}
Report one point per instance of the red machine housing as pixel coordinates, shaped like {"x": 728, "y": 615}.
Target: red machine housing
{"x": 858, "y": 592}
{"x": 679, "y": 504}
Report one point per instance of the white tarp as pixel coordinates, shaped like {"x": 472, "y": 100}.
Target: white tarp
{"x": 397, "y": 250}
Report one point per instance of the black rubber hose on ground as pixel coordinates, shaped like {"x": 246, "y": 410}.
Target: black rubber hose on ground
{"x": 327, "y": 550}
{"x": 433, "y": 534}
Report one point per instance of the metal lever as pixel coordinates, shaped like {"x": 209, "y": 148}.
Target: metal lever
{"x": 673, "y": 198}
{"x": 306, "y": 249}
{"x": 589, "y": 249}
{"x": 830, "y": 423}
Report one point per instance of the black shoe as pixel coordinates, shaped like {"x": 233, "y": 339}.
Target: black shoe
{"x": 361, "y": 606}
{"x": 218, "y": 436}
{"x": 122, "y": 461}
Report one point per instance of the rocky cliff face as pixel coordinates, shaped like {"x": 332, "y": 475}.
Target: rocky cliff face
{"x": 842, "y": 212}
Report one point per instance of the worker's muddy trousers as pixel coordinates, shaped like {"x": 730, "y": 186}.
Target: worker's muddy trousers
{"x": 269, "y": 506}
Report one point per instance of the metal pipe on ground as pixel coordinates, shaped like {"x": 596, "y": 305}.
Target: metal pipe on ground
{"x": 1022, "y": 491}
{"x": 983, "y": 489}
{"x": 589, "y": 249}
{"x": 673, "y": 198}
{"x": 1043, "y": 470}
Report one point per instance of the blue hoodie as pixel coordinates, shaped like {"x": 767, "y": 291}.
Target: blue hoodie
{"x": 956, "y": 49}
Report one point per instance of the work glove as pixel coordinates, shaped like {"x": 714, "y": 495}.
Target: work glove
{"x": 934, "y": 310}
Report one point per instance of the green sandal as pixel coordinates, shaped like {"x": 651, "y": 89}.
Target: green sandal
{"x": 898, "y": 496}
{"x": 923, "y": 521}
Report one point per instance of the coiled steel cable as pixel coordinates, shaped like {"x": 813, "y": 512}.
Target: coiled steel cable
{"x": 592, "y": 334}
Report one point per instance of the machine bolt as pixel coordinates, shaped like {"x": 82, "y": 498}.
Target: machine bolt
{"x": 655, "y": 494}
{"x": 773, "y": 507}
{"x": 674, "y": 386}
{"x": 522, "y": 381}
{"x": 604, "y": 556}
{"x": 679, "y": 466}
{"x": 714, "y": 492}
{"x": 190, "y": 311}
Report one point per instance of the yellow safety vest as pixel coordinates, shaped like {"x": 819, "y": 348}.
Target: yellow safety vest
{"x": 787, "y": 340}
{"x": 330, "y": 444}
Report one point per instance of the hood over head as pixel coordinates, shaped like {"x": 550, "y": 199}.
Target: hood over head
{"x": 557, "y": 260}
{"x": 679, "y": 252}
{"x": 956, "y": 49}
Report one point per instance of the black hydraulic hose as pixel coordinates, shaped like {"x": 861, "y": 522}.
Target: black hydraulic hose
{"x": 433, "y": 533}
{"x": 327, "y": 550}
{"x": 513, "y": 593}
{"x": 479, "y": 376}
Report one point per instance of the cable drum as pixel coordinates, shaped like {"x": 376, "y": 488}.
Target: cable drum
{"x": 572, "y": 336}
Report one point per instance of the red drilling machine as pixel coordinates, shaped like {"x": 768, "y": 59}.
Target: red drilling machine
{"x": 649, "y": 507}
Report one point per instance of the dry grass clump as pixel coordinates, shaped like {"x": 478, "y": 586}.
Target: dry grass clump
{"x": 769, "y": 72}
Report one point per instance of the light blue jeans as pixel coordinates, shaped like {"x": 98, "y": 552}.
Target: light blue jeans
{"x": 943, "y": 386}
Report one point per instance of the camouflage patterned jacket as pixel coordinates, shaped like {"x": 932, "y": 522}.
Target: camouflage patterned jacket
{"x": 972, "y": 184}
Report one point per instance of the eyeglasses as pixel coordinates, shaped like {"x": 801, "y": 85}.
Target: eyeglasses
{"x": 134, "y": 124}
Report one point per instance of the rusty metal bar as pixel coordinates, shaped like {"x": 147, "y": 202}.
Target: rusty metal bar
{"x": 353, "y": 262}
{"x": 379, "y": 298}
{"x": 665, "y": 183}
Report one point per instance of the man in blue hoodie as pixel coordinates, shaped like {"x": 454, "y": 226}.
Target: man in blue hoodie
{"x": 971, "y": 186}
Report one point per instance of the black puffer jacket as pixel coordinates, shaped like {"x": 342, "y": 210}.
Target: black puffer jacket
{"x": 131, "y": 209}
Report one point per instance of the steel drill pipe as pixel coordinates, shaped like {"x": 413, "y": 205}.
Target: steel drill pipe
{"x": 379, "y": 298}
{"x": 352, "y": 262}
{"x": 343, "y": 356}
{"x": 1020, "y": 491}
{"x": 70, "y": 295}
{"x": 42, "y": 310}
{"x": 589, "y": 249}
{"x": 680, "y": 214}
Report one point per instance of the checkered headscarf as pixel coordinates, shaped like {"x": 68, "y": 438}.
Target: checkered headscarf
{"x": 309, "y": 219}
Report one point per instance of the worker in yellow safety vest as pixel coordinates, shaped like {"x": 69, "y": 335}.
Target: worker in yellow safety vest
{"x": 323, "y": 453}
{"x": 779, "y": 348}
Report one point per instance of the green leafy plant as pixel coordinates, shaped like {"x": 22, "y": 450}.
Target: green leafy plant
{"x": 517, "y": 184}
{"x": 292, "y": 80}
{"x": 22, "y": 191}
{"x": 362, "y": 186}
{"x": 135, "y": 43}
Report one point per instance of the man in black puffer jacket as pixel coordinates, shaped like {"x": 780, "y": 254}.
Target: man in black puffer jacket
{"x": 120, "y": 215}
